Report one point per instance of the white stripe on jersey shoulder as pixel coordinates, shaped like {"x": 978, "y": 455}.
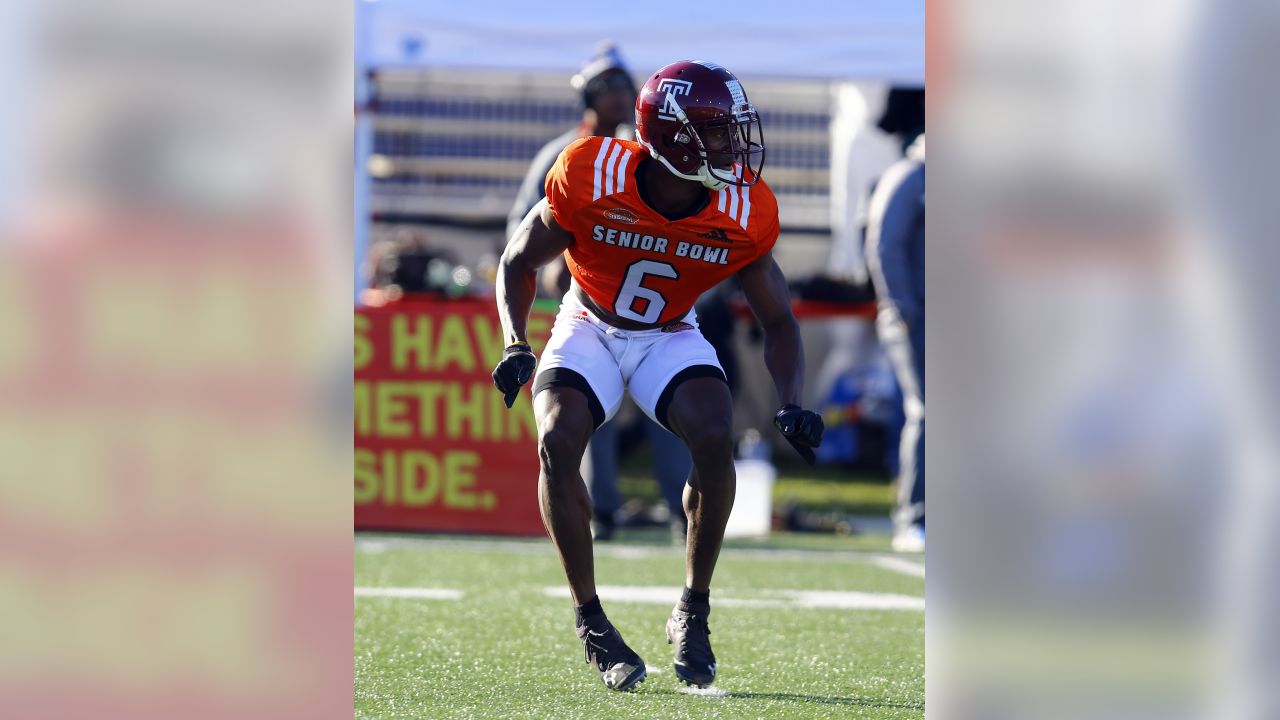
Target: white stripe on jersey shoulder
{"x": 600, "y": 156}
{"x": 746, "y": 207}
{"x": 609, "y": 167}
{"x": 735, "y": 201}
{"x": 622, "y": 171}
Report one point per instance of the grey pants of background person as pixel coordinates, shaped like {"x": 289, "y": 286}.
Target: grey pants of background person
{"x": 671, "y": 466}
{"x": 904, "y": 344}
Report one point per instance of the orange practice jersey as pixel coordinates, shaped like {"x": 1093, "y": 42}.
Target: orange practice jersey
{"x": 635, "y": 262}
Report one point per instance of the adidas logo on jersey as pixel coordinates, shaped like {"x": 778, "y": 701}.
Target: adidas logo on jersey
{"x": 717, "y": 235}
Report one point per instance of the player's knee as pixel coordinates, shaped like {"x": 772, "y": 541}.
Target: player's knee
{"x": 559, "y": 448}
{"x": 710, "y": 438}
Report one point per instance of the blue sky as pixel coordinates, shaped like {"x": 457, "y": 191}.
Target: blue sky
{"x": 874, "y": 39}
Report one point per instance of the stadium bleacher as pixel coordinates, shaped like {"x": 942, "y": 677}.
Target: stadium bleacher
{"x": 453, "y": 146}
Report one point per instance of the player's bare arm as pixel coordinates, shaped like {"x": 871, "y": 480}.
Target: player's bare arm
{"x": 766, "y": 292}
{"x": 537, "y": 241}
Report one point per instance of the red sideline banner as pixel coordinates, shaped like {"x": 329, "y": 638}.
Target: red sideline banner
{"x": 436, "y": 448}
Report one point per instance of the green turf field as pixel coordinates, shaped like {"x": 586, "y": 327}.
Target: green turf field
{"x": 792, "y": 635}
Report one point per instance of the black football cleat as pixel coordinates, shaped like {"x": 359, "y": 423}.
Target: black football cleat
{"x": 687, "y": 629}
{"x": 619, "y": 666}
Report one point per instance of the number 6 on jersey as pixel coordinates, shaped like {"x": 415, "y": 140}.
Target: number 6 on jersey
{"x": 633, "y": 290}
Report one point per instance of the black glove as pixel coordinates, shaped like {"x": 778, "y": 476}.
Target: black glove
{"x": 802, "y": 428}
{"x": 514, "y": 371}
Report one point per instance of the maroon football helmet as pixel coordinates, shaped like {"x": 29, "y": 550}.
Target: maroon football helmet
{"x": 694, "y": 118}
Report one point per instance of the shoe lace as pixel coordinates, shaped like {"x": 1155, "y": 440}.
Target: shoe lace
{"x": 598, "y": 646}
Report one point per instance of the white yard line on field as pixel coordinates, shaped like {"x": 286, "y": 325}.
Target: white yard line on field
{"x": 852, "y": 600}
{"x": 383, "y": 543}
{"x": 410, "y": 593}
{"x": 898, "y": 565}
{"x": 802, "y": 599}
{"x": 653, "y": 595}
{"x": 373, "y": 545}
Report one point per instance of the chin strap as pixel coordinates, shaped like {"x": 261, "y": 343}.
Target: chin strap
{"x": 703, "y": 177}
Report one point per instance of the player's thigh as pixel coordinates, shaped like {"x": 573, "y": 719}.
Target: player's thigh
{"x": 576, "y": 357}
{"x": 680, "y": 384}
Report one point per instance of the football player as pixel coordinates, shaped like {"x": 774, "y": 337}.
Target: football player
{"x": 645, "y": 228}
{"x": 609, "y": 109}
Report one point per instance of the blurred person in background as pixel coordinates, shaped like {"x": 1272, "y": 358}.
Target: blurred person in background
{"x": 895, "y": 258}
{"x": 871, "y": 129}
{"x": 609, "y": 104}
{"x": 647, "y": 228}
{"x": 407, "y": 264}
{"x": 608, "y": 100}
{"x": 903, "y": 116}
